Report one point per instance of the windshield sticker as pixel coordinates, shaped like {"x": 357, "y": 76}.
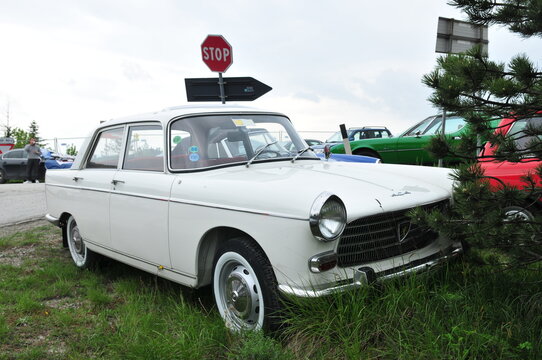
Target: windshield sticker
{"x": 193, "y": 157}
{"x": 177, "y": 139}
{"x": 193, "y": 149}
{"x": 243, "y": 122}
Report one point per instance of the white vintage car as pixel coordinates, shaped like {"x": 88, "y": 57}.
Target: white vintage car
{"x": 207, "y": 195}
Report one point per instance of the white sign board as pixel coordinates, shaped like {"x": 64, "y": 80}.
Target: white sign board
{"x": 454, "y": 36}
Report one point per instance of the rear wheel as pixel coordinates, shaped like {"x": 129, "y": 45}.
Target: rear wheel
{"x": 82, "y": 256}
{"x": 245, "y": 287}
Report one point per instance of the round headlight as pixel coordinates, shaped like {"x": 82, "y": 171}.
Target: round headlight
{"x": 327, "y": 217}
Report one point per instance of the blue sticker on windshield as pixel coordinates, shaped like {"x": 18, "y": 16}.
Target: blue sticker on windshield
{"x": 193, "y": 157}
{"x": 193, "y": 149}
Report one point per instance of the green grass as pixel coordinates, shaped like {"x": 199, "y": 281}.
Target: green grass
{"x": 51, "y": 310}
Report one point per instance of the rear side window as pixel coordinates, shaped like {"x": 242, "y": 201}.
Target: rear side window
{"x": 145, "y": 149}
{"x": 106, "y": 151}
{"x": 15, "y": 154}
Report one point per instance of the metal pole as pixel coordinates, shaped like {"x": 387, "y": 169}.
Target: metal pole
{"x": 221, "y": 85}
{"x": 443, "y": 132}
{"x": 346, "y": 141}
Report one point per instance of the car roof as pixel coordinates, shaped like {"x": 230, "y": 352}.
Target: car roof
{"x": 369, "y": 128}
{"x": 166, "y": 114}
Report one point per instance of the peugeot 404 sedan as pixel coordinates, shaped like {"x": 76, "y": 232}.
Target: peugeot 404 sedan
{"x": 192, "y": 195}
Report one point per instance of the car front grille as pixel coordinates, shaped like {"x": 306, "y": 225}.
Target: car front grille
{"x": 382, "y": 236}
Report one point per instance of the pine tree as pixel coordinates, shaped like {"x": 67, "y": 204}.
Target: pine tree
{"x": 481, "y": 90}
{"x": 33, "y": 131}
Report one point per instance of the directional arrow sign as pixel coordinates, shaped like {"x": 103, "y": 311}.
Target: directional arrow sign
{"x": 235, "y": 89}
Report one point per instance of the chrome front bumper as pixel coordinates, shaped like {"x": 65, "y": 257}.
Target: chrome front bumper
{"x": 365, "y": 275}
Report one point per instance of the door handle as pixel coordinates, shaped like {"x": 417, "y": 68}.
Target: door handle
{"x": 115, "y": 182}
{"x": 77, "y": 178}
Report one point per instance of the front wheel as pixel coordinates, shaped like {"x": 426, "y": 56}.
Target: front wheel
{"x": 81, "y": 255}
{"x": 245, "y": 287}
{"x": 517, "y": 213}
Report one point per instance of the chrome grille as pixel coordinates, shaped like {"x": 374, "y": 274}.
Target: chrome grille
{"x": 382, "y": 236}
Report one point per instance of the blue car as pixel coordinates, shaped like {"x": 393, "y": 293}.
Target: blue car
{"x": 350, "y": 158}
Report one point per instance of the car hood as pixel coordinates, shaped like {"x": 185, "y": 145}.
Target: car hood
{"x": 285, "y": 189}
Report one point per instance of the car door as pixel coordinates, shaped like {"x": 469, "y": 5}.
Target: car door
{"x": 140, "y": 197}
{"x": 14, "y": 164}
{"x": 91, "y": 186}
{"x": 411, "y": 146}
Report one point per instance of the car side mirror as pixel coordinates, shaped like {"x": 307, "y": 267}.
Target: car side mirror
{"x": 327, "y": 152}
{"x": 418, "y": 133}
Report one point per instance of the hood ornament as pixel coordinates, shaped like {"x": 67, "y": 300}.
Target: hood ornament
{"x": 400, "y": 193}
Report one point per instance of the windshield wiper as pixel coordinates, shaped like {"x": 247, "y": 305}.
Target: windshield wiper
{"x": 301, "y": 152}
{"x": 259, "y": 152}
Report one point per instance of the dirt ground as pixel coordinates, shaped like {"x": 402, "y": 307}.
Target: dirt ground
{"x": 24, "y": 226}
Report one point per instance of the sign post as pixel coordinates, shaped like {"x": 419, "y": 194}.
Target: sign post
{"x": 234, "y": 88}
{"x": 217, "y": 54}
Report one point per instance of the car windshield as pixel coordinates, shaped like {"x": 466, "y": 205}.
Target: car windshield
{"x": 215, "y": 140}
{"x": 433, "y": 124}
{"x": 337, "y": 137}
{"x": 517, "y": 131}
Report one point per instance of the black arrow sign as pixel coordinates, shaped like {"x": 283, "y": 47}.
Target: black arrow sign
{"x": 235, "y": 89}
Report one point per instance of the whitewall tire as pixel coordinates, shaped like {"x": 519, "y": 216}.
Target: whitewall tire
{"x": 245, "y": 287}
{"x": 81, "y": 255}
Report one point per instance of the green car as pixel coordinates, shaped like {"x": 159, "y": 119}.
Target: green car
{"x": 409, "y": 147}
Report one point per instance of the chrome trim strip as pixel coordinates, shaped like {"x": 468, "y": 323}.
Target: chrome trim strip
{"x": 141, "y": 260}
{"x": 246, "y": 211}
{"x": 399, "y": 150}
{"x": 186, "y": 202}
{"x": 360, "y": 278}
{"x": 79, "y": 188}
{"x": 159, "y": 198}
{"x": 53, "y": 220}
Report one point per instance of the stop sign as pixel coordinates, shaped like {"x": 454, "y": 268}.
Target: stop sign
{"x": 216, "y": 53}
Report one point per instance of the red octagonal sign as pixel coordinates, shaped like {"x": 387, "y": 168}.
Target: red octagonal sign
{"x": 216, "y": 53}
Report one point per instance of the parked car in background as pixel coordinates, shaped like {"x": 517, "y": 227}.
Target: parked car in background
{"x": 511, "y": 173}
{"x": 203, "y": 195}
{"x": 411, "y": 146}
{"x": 358, "y": 133}
{"x": 54, "y": 160}
{"x": 311, "y": 142}
{"x": 13, "y": 166}
{"x": 349, "y": 158}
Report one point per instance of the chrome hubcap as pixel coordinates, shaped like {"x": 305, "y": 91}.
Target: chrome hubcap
{"x": 77, "y": 240}
{"x": 241, "y": 297}
{"x": 517, "y": 215}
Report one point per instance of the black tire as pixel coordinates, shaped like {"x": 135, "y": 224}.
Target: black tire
{"x": 517, "y": 213}
{"x": 245, "y": 287}
{"x": 82, "y": 256}
{"x": 2, "y": 177}
{"x": 365, "y": 152}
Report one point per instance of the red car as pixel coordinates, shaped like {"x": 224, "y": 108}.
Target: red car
{"x": 511, "y": 172}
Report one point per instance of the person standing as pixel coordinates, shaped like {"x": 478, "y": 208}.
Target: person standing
{"x": 32, "y": 166}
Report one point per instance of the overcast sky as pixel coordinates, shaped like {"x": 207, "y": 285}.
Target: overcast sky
{"x": 70, "y": 63}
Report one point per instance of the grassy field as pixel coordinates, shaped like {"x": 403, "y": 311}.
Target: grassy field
{"x": 51, "y": 310}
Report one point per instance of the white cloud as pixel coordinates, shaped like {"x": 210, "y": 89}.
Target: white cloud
{"x": 69, "y": 64}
